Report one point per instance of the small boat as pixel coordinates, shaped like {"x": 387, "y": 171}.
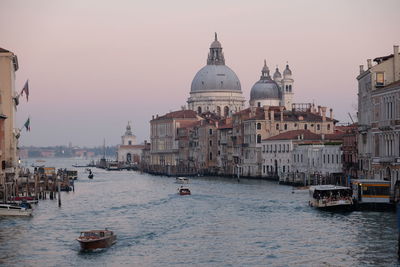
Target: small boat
{"x": 23, "y": 209}
{"x": 23, "y": 199}
{"x": 183, "y": 191}
{"x": 94, "y": 239}
{"x": 182, "y": 180}
{"x": 330, "y": 197}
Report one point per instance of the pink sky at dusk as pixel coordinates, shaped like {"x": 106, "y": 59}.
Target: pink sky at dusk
{"x": 94, "y": 65}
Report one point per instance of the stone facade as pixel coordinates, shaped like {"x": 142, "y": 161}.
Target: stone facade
{"x": 128, "y": 151}
{"x": 379, "y": 118}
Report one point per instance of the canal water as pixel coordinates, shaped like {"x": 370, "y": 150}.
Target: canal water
{"x": 223, "y": 223}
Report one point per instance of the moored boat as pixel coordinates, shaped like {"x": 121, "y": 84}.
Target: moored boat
{"x": 23, "y": 209}
{"x": 95, "y": 239}
{"x": 182, "y": 180}
{"x": 183, "y": 191}
{"x": 330, "y": 197}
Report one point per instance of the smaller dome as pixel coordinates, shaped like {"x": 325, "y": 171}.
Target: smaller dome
{"x": 277, "y": 74}
{"x": 287, "y": 71}
{"x": 265, "y": 89}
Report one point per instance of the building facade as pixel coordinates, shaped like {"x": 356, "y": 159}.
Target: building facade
{"x": 379, "y": 118}
{"x": 128, "y": 151}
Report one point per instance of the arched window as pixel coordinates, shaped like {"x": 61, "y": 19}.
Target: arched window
{"x": 318, "y": 127}
{"x": 305, "y": 126}
{"x": 199, "y": 110}
{"x": 226, "y": 111}
{"x": 258, "y": 138}
{"x": 210, "y": 142}
{"x": 286, "y": 87}
{"x": 277, "y": 126}
{"x": 128, "y": 157}
{"x": 210, "y": 156}
{"x": 290, "y": 88}
{"x": 219, "y": 110}
{"x": 285, "y": 126}
{"x": 258, "y": 126}
{"x": 329, "y": 127}
{"x": 129, "y": 142}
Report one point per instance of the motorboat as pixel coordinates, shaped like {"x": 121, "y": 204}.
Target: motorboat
{"x": 183, "y": 191}
{"x": 182, "y": 180}
{"x": 95, "y": 239}
{"x": 23, "y": 209}
{"x": 330, "y": 196}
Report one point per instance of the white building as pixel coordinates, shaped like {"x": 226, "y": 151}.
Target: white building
{"x": 301, "y": 151}
{"x": 216, "y": 87}
{"x": 128, "y": 150}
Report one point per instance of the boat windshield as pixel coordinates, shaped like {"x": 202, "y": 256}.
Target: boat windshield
{"x": 332, "y": 194}
{"x": 90, "y": 234}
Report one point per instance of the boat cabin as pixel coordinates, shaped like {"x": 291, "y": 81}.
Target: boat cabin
{"x": 371, "y": 191}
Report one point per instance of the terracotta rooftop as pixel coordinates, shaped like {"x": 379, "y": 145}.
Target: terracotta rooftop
{"x": 290, "y": 135}
{"x": 180, "y": 114}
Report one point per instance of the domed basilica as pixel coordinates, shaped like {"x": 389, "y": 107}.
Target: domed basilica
{"x": 216, "y": 87}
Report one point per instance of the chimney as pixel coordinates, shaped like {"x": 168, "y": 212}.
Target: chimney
{"x": 396, "y": 63}
{"x": 361, "y": 69}
{"x": 369, "y": 63}
{"x": 331, "y": 114}
{"x": 266, "y": 109}
{"x": 323, "y": 110}
{"x": 281, "y": 111}
{"x": 319, "y": 110}
{"x": 272, "y": 116}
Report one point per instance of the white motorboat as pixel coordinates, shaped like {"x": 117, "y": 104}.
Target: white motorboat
{"x": 24, "y": 209}
{"x": 182, "y": 180}
{"x": 330, "y": 196}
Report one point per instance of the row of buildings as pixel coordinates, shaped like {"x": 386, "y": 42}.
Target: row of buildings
{"x": 218, "y": 135}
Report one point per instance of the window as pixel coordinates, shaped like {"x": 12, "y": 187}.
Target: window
{"x": 290, "y": 88}
{"x": 210, "y": 131}
{"x": 210, "y": 142}
{"x": 129, "y": 142}
{"x": 329, "y": 127}
{"x": 380, "y": 79}
{"x": 219, "y": 152}
{"x": 285, "y": 126}
{"x": 199, "y": 110}
{"x": 318, "y": 127}
{"x": 259, "y": 104}
{"x": 277, "y": 126}
{"x": 258, "y": 126}
{"x": 305, "y": 126}
{"x": 211, "y": 156}
{"x": 258, "y": 138}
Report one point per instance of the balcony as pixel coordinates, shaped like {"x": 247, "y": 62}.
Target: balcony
{"x": 384, "y": 160}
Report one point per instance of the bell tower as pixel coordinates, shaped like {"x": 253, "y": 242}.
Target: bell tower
{"x": 287, "y": 88}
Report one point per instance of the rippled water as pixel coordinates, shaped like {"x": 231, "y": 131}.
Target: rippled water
{"x": 223, "y": 223}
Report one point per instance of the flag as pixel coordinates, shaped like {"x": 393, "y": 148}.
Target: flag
{"x": 26, "y": 90}
{"x": 27, "y": 124}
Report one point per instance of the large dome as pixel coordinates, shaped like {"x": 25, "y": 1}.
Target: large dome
{"x": 265, "y": 89}
{"x": 215, "y": 78}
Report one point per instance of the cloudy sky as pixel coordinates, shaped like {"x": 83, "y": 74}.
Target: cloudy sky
{"x": 94, "y": 65}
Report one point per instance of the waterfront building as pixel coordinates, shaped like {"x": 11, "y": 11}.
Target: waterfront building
{"x": 268, "y": 121}
{"x": 9, "y": 134}
{"x": 216, "y": 87}
{"x": 350, "y": 151}
{"x": 164, "y": 148}
{"x": 225, "y": 158}
{"x": 301, "y": 152}
{"x": 379, "y": 118}
{"x": 128, "y": 151}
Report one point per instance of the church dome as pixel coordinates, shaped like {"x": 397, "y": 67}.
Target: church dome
{"x": 277, "y": 74}
{"x": 215, "y": 76}
{"x": 265, "y": 88}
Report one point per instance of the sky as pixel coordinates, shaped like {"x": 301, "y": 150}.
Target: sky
{"x": 94, "y": 65}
